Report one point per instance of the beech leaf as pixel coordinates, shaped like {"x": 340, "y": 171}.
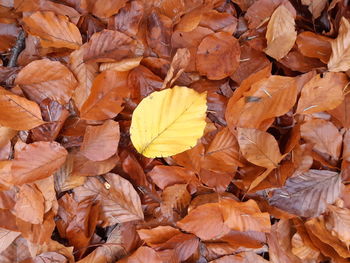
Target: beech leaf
{"x": 308, "y": 193}
{"x": 168, "y": 122}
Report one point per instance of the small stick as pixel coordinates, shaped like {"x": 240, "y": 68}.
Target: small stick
{"x": 19, "y": 46}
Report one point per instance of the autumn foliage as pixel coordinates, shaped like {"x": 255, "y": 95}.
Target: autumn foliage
{"x": 168, "y": 131}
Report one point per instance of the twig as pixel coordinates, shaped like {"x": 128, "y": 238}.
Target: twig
{"x": 19, "y": 46}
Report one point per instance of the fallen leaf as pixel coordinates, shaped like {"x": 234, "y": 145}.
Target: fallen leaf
{"x": 155, "y": 128}
{"x": 120, "y": 203}
{"x": 18, "y": 113}
{"x": 280, "y": 34}
{"x": 315, "y": 7}
{"x": 308, "y": 193}
{"x": 314, "y": 45}
{"x": 49, "y": 156}
{"x": 101, "y": 142}
{"x": 6, "y": 238}
{"x": 218, "y": 56}
{"x": 175, "y": 197}
{"x": 54, "y": 30}
{"x": 259, "y": 147}
{"x": 324, "y": 135}
{"x": 312, "y": 97}
{"x": 56, "y": 82}
{"x": 106, "y": 97}
{"x": 338, "y": 220}
{"x": 102, "y": 8}
{"x": 340, "y": 58}
{"x": 142, "y": 255}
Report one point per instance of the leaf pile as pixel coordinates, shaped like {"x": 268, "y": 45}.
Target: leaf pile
{"x": 168, "y": 131}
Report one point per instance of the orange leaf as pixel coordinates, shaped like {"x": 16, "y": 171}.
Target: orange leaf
{"x": 101, "y": 142}
{"x": 313, "y": 97}
{"x": 37, "y": 161}
{"x": 280, "y": 34}
{"x": 338, "y": 221}
{"x": 102, "y": 8}
{"x": 156, "y": 236}
{"x": 175, "y": 197}
{"x": 54, "y": 30}
{"x": 340, "y": 58}
{"x": 55, "y": 82}
{"x": 142, "y": 255}
{"x": 315, "y": 46}
{"x": 259, "y": 147}
{"x": 17, "y": 112}
{"x": 106, "y": 97}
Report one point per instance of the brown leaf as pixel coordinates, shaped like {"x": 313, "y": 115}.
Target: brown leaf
{"x": 244, "y": 216}
{"x": 217, "y": 21}
{"x": 29, "y": 204}
{"x": 110, "y": 46}
{"x": 245, "y": 257}
{"x": 315, "y": 6}
{"x": 84, "y": 73}
{"x": 55, "y": 82}
{"x": 6, "y": 238}
{"x": 142, "y": 255}
{"x": 102, "y": 8}
{"x": 8, "y": 34}
{"x": 280, "y": 34}
{"x": 303, "y": 250}
{"x": 119, "y": 203}
{"x": 342, "y": 112}
{"x": 267, "y": 98}
{"x": 212, "y": 227}
{"x": 308, "y": 193}
{"x": 340, "y": 58}
{"x": 101, "y": 142}
{"x": 155, "y": 237}
{"x": 54, "y": 30}
{"x": 17, "y": 112}
{"x": 218, "y": 56}
{"x": 313, "y": 97}
{"x": 314, "y": 45}
{"x": 6, "y": 134}
{"x": 191, "y": 158}
{"x": 324, "y": 135}
{"x": 338, "y": 221}
{"x": 175, "y": 197}
{"x": 259, "y": 147}
{"x": 37, "y": 161}
{"x": 106, "y": 97}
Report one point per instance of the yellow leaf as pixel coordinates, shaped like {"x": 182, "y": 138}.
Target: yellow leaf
{"x": 168, "y": 122}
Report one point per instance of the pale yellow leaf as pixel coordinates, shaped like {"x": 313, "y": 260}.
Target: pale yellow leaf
{"x": 280, "y": 34}
{"x": 340, "y": 58}
{"x": 168, "y": 122}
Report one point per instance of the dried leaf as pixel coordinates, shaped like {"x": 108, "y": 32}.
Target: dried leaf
{"x": 56, "y": 82}
{"x": 102, "y": 8}
{"x": 324, "y": 135}
{"x": 175, "y": 197}
{"x": 340, "y": 58}
{"x": 17, "y": 112}
{"x": 337, "y": 221}
{"x": 120, "y": 203}
{"x": 280, "y": 34}
{"x": 308, "y": 193}
{"x": 259, "y": 147}
{"x": 142, "y": 255}
{"x": 101, "y": 142}
{"x": 168, "y": 122}
{"x": 313, "y": 97}
{"x": 218, "y": 56}
{"x": 106, "y": 97}
{"x": 54, "y": 30}
{"x": 314, "y": 45}
{"x": 6, "y": 238}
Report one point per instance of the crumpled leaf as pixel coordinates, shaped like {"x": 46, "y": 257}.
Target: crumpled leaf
{"x": 54, "y": 30}
{"x": 308, "y": 193}
{"x": 280, "y": 34}
{"x": 180, "y": 116}
{"x": 340, "y": 58}
{"x": 17, "y": 112}
{"x": 55, "y": 82}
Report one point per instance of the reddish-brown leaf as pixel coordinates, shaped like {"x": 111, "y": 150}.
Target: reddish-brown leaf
{"x": 102, "y": 8}
{"x": 175, "y": 197}
{"x": 110, "y": 46}
{"x": 55, "y": 82}
{"x": 6, "y": 238}
{"x": 314, "y": 45}
{"x": 142, "y": 255}
{"x": 119, "y": 200}
{"x": 54, "y": 30}
{"x": 106, "y": 97}
{"x": 338, "y": 221}
{"x": 218, "y": 56}
{"x": 37, "y": 161}
{"x": 101, "y": 142}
